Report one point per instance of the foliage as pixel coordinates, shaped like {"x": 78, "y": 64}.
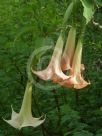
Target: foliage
{"x": 29, "y": 24}
{"x": 88, "y": 9}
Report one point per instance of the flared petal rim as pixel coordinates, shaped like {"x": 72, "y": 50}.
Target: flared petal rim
{"x": 17, "y": 121}
{"x": 74, "y": 82}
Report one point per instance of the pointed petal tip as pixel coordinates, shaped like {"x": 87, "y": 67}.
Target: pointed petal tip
{"x": 43, "y": 117}
{"x": 45, "y": 74}
{"x": 81, "y": 86}
{"x": 7, "y": 121}
{"x": 33, "y": 71}
{"x": 73, "y": 83}
{"x": 35, "y": 122}
{"x": 10, "y": 123}
{"x": 4, "y": 119}
{"x": 37, "y": 73}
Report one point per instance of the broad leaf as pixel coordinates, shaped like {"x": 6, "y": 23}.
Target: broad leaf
{"x": 88, "y": 9}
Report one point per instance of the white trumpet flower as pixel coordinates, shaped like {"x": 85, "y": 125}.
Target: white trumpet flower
{"x": 24, "y": 118}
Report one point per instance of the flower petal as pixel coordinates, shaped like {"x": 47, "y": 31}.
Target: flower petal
{"x": 53, "y": 71}
{"x": 76, "y": 80}
{"x": 33, "y": 122}
{"x": 24, "y": 118}
{"x": 44, "y": 74}
{"x": 67, "y": 57}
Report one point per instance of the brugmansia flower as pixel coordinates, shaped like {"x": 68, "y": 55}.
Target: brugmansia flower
{"x": 53, "y": 70}
{"x": 68, "y": 53}
{"x": 24, "y": 118}
{"x": 75, "y": 79}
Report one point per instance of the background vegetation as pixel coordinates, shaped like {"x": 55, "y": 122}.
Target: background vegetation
{"x": 29, "y": 24}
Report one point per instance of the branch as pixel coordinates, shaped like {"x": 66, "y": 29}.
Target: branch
{"x": 97, "y": 24}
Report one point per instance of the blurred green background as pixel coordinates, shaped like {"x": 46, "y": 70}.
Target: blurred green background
{"x": 29, "y": 24}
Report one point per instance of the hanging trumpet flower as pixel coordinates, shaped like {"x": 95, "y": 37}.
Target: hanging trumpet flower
{"x": 24, "y": 118}
{"x": 75, "y": 79}
{"x": 68, "y": 53}
{"x": 53, "y": 71}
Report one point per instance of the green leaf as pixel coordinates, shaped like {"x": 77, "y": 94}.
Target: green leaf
{"x": 67, "y": 13}
{"x": 83, "y": 133}
{"x": 88, "y": 9}
{"x": 99, "y": 2}
{"x": 99, "y": 135}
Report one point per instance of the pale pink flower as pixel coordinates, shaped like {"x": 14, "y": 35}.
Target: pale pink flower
{"x": 68, "y": 53}
{"x": 75, "y": 79}
{"x": 53, "y": 71}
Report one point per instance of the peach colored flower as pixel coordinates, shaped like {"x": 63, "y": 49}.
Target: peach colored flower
{"x": 68, "y": 53}
{"x": 53, "y": 71}
{"x": 24, "y": 118}
{"x": 75, "y": 79}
